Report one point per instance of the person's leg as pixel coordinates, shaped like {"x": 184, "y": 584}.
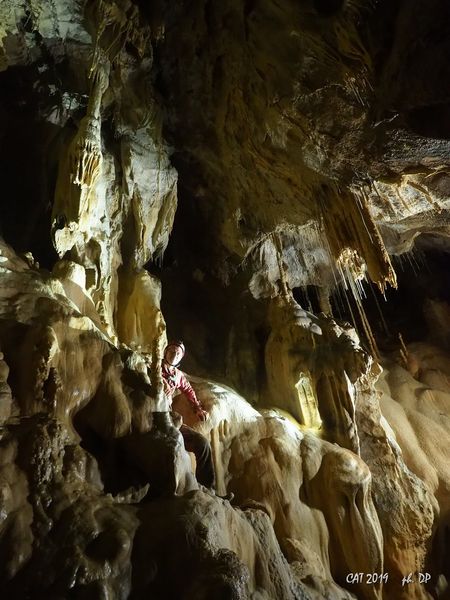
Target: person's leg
{"x": 197, "y": 444}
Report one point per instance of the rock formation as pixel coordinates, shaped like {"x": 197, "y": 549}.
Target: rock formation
{"x": 257, "y": 178}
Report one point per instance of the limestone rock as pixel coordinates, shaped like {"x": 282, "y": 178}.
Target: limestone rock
{"x": 221, "y": 171}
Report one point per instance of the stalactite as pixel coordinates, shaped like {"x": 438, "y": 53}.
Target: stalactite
{"x": 117, "y": 23}
{"x": 378, "y": 262}
{"x": 426, "y": 195}
{"x": 283, "y": 280}
{"x": 412, "y": 262}
{"x": 352, "y": 314}
{"x": 403, "y": 352}
{"x": 379, "y": 309}
{"x": 384, "y": 199}
{"x": 365, "y": 322}
{"x": 352, "y": 235}
{"x": 80, "y": 170}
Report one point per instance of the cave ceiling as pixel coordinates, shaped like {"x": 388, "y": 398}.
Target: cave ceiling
{"x": 315, "y": 127}
{"x": 282, "y": 113}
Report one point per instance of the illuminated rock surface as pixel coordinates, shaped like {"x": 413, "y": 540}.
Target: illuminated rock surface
{"x": 207, "y": 168}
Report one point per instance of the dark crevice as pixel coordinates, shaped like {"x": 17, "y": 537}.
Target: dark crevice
{"x": 430, "y": 121}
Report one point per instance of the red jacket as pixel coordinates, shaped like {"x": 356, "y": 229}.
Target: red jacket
{"x": 174, "y": 379}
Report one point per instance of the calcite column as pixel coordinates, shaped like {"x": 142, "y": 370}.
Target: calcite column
{"x": 312, "y": 366}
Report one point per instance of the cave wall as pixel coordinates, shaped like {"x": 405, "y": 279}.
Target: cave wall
{"x": 182, "y": 168}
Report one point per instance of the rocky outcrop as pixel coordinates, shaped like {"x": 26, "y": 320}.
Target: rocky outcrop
{"x": 414, "y": 400}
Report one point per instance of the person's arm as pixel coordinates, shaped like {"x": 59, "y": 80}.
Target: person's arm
{"x": 187, "y": 389}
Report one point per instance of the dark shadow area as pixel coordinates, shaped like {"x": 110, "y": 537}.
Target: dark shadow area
{"x": 117, "y": 472}
{"x": 27, "y": 171}
{"x": 210, "y": 309}
{"x": 308, "y": 298}
{"x": 422, "y": 275}
{"x": 328, "y": 8}
{"x": 431, "y": 121}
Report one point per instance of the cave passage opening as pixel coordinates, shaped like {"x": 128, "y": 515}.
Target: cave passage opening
{"x": 402, "y": 314}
